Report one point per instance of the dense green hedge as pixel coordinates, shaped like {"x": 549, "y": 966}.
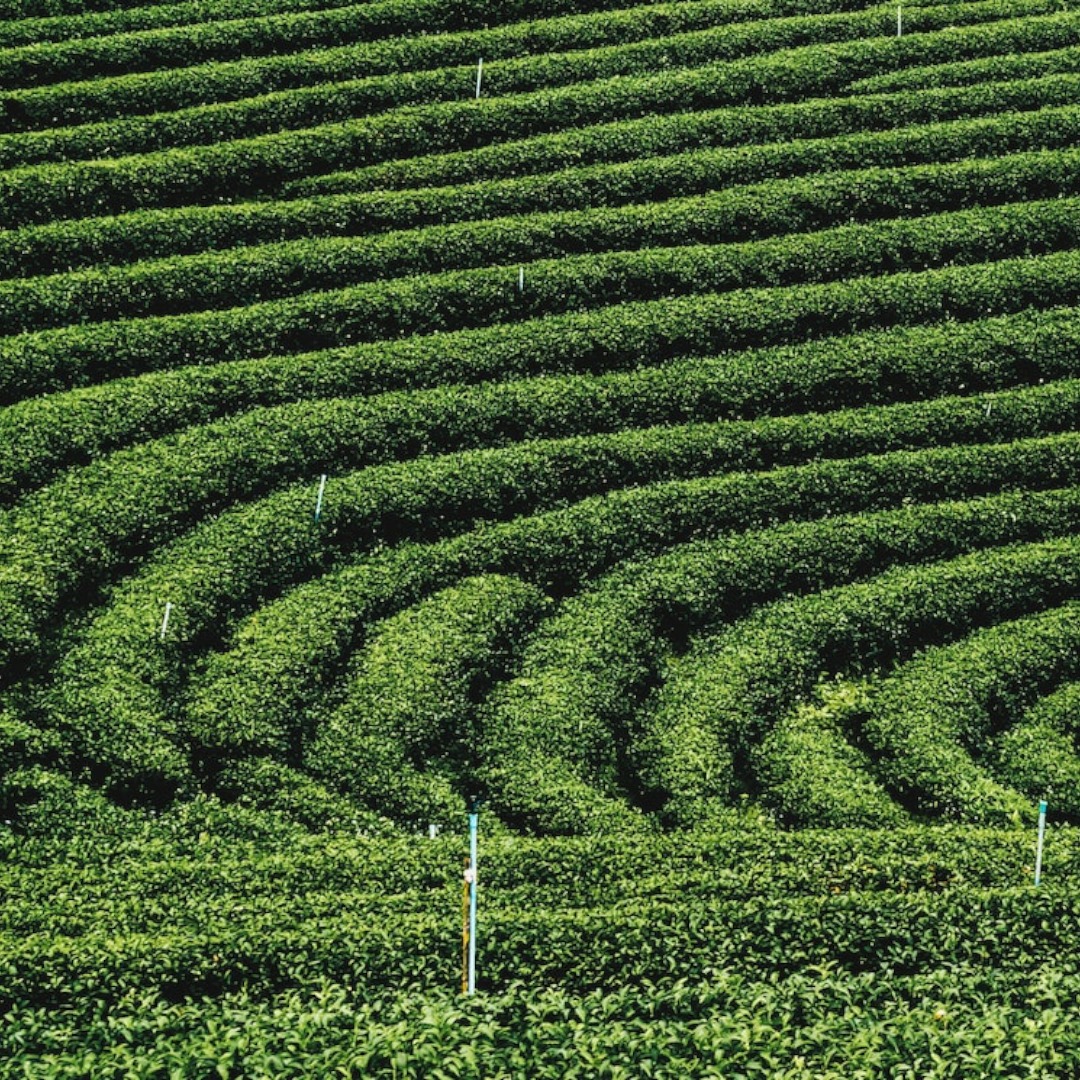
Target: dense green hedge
{"x": 358, "y": 87}
{"x": 849, "y": 132}
{"x": 108, "y": 702}
{"x": 247, "y": 34}
{"x": 826, "y": 201}
{"x": 33, "y": 363}
{"x": 405, "y": 740}
{"x": 930, "y": 1026}
{"x": 64, "y": 245}
{"x": 201, "y": 84}
{"x": 588, "y": 668}
{"x": 229, "y": 170}
{"x": 966, "y": 72}
{"x": 92, "y": 523}
{"x": 1038, "y": 755}
{"x": 268, "y": 948}
{"x": 39, "y": 436}
{"x": 725, "y": 697}
{"x": 100, "y": 19}
{"x": 294, "y": 649}
{"x": 926, "y": 722}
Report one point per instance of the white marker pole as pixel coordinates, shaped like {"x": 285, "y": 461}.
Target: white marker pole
{"x": 899, "y": 20}
{"x": 479, "y": 75}
{"x": 318, "y": 500}
{"x": 473, "y": 821}
{"x": 521, "y": 279}
{"x": 1039, "y": 845}
{"x": 165, "y": 621}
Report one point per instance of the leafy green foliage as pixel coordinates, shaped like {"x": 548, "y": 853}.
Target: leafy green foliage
{"x": 697, "y": 405}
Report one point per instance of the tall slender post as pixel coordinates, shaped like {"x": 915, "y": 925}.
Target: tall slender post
{"x": 479, "y": 75}
{"x": 165, "y": 620}
{"x": 319, "y": 497}
{"x": 899, "y": 20}
{"x": 1039, "y": 843}
{"x": 465, "y": 928}
{"x": 521, "y": 279}
{"x": 473, "y": 822}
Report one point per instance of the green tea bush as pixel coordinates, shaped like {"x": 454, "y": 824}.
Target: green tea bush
{"x": 393, "y": 77}
{"x": 992, "y": 68}
{"x": 926, "y": 723}
{"x": 475, "y": 185}
{"x": 405, "y": 740}
{"x": 261, "y": 163}
{"x": 749, "y": 317}
{"x": 1038, "y": 754}
{"x": 730, "y": 692}
{"x": 779, "y": 208}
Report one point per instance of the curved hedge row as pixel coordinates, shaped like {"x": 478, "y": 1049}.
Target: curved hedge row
{"x": 297, "y": 645}
{"x": 689, "y": 168}
{"x": 779, "y": 208}
{"x": 246, "y": 34}
{"x": 405, "y": 741}
{"x": 966, "y": 72}
{"x": 590, "y": 666}
{"x": 240, "y": 167}
{"x": 824, "y": 134}
{"x": 108, "y": 699}
{"x": 148, "y": 494}
{"x": 101, "y": 19}
{"x": 727, "y": 696}
{"x": 112, "y": 722}
{"x": 39, "y": 436}
{"x": 359, "y": 89}
{"x": 1039, "y": 756}
{"x": 926, "y": 722}
{"x": 33, "y": 363}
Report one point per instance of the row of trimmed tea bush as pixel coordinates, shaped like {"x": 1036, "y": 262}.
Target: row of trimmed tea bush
{"x": 966, "y": 72}
{"x": 726, "y": 696}
{"x": 829, "y": 201}
{"x": 748, "y": 317}
{"x": 693, "y": 165}
{"x": 260, "y": 164}
{"x": 929, "y": 1025}
{"x": 109, "y": 710}
{"x": 251, "y": 34}
{"x": 417, "y": 71}
{"x": 40, "y": 436}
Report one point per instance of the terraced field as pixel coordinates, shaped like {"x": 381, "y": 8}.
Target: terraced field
{"x": 658, "y": 421}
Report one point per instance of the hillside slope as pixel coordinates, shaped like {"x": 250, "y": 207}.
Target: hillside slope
{"x": 657, "y": 421}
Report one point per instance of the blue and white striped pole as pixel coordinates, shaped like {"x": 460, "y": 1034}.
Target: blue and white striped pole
{"x": 1039, "y": 845}
{"x": 474, "y": 819}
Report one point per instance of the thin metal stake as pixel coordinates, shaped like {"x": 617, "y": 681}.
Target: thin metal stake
{"x": 521, "y": 279}
{"x": 1039, "y": 845}
{"x": 899, "y": 20}
{"x": 465, "y": 928}
{"x": 165, "y": 621}
{"x": 479, "y": 75}
{"x": 473, "y": 820}
{"x": 318, "y": 500}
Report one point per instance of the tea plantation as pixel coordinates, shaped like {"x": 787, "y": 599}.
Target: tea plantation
{"x": 657, "y": 424}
